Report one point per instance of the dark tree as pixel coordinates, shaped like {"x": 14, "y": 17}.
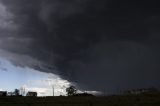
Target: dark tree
{"x": 71, "y": 91}
{"x": 16, "y": 92}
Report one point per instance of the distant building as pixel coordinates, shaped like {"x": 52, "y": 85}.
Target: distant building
{"x": 32, "y": 94}
{"x": 10, "y": 94}
{"x": 3, "y": 93}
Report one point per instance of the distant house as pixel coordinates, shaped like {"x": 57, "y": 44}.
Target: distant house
{"x": 3, "y": 93}
{"x": 10, "y": 94}
{"x": 32, "y": 94}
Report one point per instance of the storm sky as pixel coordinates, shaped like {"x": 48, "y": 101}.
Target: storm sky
{"x": 29, "y": 79}
{"x": 97, "y": 44}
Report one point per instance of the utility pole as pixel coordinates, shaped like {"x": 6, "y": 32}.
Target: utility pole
{"x": 51, "y": 62}
{"x": 53, "y": 89}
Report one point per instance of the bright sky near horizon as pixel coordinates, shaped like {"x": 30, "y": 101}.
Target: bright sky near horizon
{"x": 12, "y": 77}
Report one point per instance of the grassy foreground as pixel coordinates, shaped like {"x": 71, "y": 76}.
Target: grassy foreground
{"x": 125, "y": 100}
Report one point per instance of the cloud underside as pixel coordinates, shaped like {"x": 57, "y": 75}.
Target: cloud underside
{"x": 98, "y": 44}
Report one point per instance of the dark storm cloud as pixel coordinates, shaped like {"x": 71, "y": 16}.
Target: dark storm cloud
{"x": 98, "y": 44}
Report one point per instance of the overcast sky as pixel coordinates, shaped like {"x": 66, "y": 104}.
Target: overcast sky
{"x": 99, "y": 45}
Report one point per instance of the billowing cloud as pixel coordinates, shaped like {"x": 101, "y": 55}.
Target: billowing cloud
{"x": 106, "y": 44}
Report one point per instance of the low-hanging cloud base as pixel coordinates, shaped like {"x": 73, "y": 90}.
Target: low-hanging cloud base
{"x": 99, "y": 45}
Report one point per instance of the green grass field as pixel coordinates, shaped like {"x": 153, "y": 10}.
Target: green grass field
{"x": 125, "y": 100}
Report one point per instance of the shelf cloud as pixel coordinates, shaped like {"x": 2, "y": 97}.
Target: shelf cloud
{"x": 105, "y": 44}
